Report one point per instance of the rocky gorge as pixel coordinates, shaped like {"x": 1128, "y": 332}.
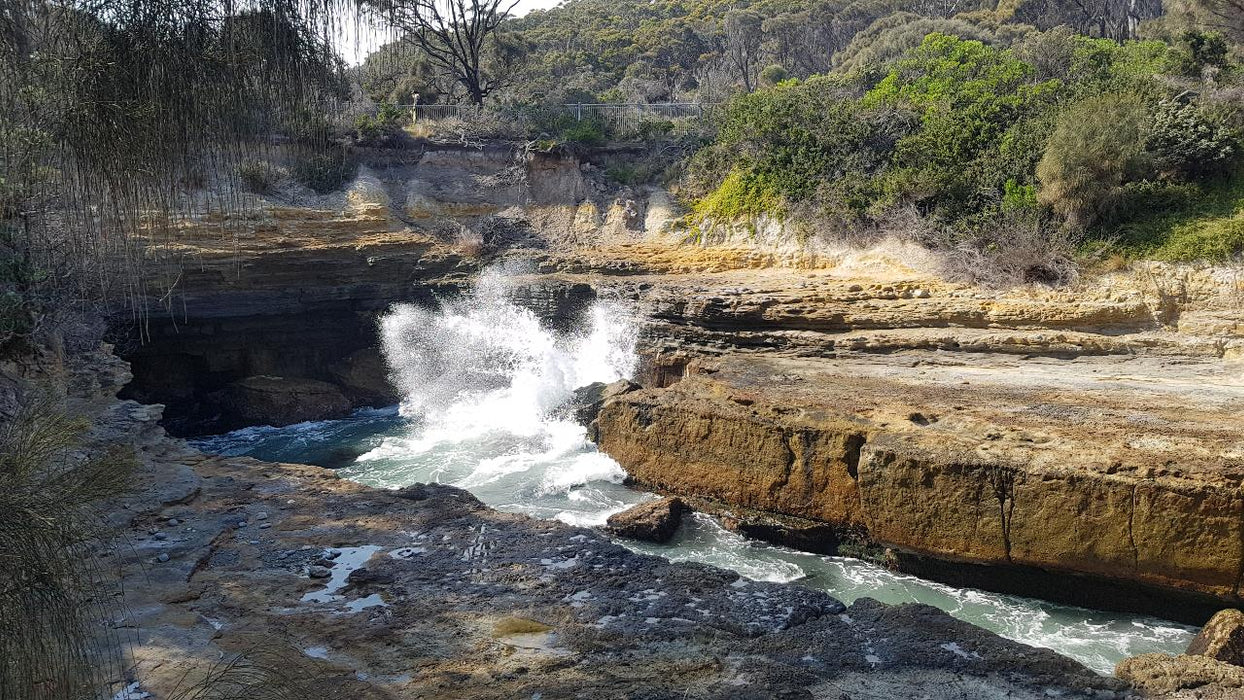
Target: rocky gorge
{"x": 1078, "y": 444}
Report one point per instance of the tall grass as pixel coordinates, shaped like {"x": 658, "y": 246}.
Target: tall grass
{"x": 54, "y": 595}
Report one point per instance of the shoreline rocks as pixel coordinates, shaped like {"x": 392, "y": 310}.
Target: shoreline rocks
{"x": 277, "y": 401}
{"x": 1119, "y": 474}
{"x": 654, "y": 521}
{"x": 1221, "y": 638}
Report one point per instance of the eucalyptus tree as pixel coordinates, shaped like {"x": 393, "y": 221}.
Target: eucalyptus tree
{"x": 459, "y": 36}
{"x": 743, "y": 41}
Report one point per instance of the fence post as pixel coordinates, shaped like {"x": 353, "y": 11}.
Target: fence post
{"x": 579, "y": 112}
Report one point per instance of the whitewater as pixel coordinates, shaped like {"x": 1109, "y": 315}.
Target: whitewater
{"x": 484, "y": 385}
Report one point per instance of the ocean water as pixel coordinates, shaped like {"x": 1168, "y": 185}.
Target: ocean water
{"x": 483, "y": 382}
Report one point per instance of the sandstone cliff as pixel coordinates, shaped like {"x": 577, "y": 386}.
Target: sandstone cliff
{"x": 1091, "y": 432}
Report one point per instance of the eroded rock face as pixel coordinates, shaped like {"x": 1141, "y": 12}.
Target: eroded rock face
{"x": 655, "y": 521}
{"x": 587, "y": 401}
{"x": 277, "y": 401}
{"x": 1118, "y": 471}
{"x": 1161, "y": 674}
{"x": 1222, "y": 638}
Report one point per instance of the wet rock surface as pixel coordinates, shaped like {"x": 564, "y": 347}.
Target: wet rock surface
{"x": 425, "y": 592}
{"x": 586, "y": 402}
{"x": 655, "y": 521}
{"x": 279, "y": 401}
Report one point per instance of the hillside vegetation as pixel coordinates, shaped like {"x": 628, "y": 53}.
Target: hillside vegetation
{"x": 1052, "y": 129}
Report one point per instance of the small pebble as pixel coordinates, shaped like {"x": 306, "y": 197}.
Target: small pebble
{"x": 265, "y": 526}
{"x": 242, "y": 523}
{"x": 319, "y": 572}
{"x": 263, "y": 515}
{"x": 163, "y": 557}
{"x": 254, "y": 542}
{"x": 161, "y": 536}
{"x": 173, "y": 522}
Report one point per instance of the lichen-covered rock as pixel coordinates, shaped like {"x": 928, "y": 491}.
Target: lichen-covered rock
{"x": 278, "y": 401}
{"x": 1161, "y": 673}
{"x": 654, "y": 521}
{"x": 1222, "y": 638}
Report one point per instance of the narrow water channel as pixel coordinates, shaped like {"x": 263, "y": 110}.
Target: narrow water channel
{"x": 483, "y": 381}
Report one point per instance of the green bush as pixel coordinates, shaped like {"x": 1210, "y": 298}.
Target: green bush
{"x": 978, "y": 106}
{"x": 1097, "y": 145}
{"x": 784, "y": 144}
{"x": 1216, "y": 240}
{"x": 380, "y": 129}
{"x": 326, "y": 171}
{"x": 1187, "y": 144}
{"x": 585, "y": 132}
{"x": 1194, "y": 51}
{"x": 259, "y": 176}
{"x": 1183, "y": 221}
{"x": 773, "y": 74}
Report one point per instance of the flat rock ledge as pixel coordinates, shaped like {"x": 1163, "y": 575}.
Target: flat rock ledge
{"x": 1016, "y": 474}
{"x": 430, "y": 594}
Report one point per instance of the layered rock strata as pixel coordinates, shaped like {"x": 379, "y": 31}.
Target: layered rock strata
{"x": 1122, "y": 472}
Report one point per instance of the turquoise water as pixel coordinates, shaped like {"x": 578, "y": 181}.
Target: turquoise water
{"x": 484, "y": 381}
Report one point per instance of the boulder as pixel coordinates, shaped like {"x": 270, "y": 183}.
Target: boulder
{"x": 278, "y": 401}
{"x": 1222, "y": 638}
{"x": 1159, "y": 673}
{"x": 655, "y": 521}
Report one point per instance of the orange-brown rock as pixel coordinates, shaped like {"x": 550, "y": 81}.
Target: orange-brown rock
{"x": 1121, "y": 470}
{"x": 1222, "y": 638}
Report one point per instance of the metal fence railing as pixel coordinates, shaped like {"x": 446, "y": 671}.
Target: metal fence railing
{"x": 623, "y": 116}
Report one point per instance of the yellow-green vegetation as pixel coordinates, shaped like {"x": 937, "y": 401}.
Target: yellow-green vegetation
{"x": 1207, "y": 225}
{"x": 1086, "y": 138}
{"x": 507, "y": 626}
{"x": 739, "y": 195}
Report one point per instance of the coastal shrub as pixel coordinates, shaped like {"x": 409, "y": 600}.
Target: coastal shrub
{"x": 772, "y": 74}
{"x": 1182, "y": 221}
{"x": 584, "y": 132}
{"x": 978, "y": 106}
{"x": 740, "y": 194}
{"x": 1215, "y": 240}
{"x": 784, "y": 144}
{"x": 259, "y": 176}
{"x": 54, "y": 595}
{"x": 1194, "y": 51}
{"x": 1096, "y": 146}
{"x": 381, "y": 128}
{"x": 1186, "y": 143}
{"x": 325, "y": 171}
